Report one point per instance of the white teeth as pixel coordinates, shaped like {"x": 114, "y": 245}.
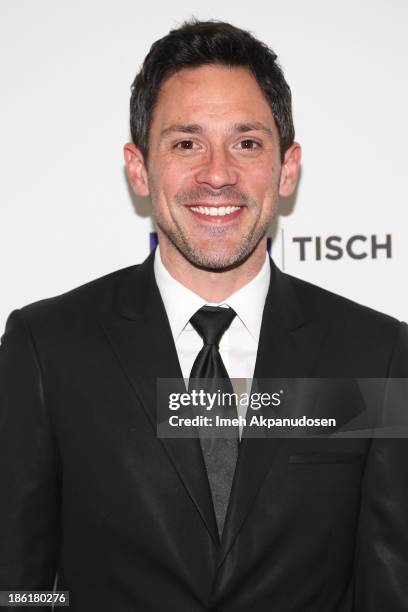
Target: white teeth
{"x": 215, "y": 211}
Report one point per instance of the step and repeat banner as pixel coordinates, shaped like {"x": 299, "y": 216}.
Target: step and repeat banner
{"x": 67, "y": 214}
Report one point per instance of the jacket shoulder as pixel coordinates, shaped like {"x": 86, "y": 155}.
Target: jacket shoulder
{"x": 357, "y": 337}
{"x": 350, "y": 323}
{"x": 330, "y": 306}
{"x": 82, "y": 298}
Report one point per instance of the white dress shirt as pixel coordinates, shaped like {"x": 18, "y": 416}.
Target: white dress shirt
{"x": 239, "y": 343}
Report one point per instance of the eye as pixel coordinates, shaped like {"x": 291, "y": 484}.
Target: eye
{"x": 185, "y": 145}
{"x": 249, "y": 144}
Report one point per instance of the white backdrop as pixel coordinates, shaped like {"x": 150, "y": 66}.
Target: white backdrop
{"x": 66, "y": 212}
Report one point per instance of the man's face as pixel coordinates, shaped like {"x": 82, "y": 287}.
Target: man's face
{"x": 214, "y": 171}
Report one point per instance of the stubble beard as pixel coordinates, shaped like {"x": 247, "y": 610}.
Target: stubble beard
{"x": 211, "y": 260}
{"x": 214, "y": 261}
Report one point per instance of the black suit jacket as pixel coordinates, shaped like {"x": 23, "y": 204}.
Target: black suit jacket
{"x": 88, "y": 490}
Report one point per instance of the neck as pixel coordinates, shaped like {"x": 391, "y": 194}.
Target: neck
{"x": 212, "y": 286}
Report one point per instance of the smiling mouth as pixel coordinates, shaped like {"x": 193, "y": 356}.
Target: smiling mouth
{"x": 215, "y": 211}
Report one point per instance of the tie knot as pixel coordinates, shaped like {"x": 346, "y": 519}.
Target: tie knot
{"x": 211, "y": 322}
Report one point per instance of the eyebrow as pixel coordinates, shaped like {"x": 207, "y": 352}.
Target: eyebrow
{"x": 256, "y": 126}
{"x": 240, "y": 128}
{"x": 192, "y": 128}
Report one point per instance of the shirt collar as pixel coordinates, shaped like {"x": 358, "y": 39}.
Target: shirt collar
{"x": 249, "y": 301}
{"x": 181, "y": 303}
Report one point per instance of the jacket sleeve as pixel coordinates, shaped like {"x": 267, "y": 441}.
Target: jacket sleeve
{"x": 29, "y": 467}
{"x": 381, "y": 571}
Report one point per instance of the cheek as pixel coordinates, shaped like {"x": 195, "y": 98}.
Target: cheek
{"x": 263, "y": 178}
{"x": 172, "y": 179}
{"x": 164, "y": 188}
{"x": 266, "y": 197}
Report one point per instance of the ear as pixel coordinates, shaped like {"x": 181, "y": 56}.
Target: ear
{"x": 136, "y": 169}
{"x": 290, "y": 170}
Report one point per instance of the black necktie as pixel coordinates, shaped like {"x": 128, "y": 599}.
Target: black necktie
{"x": 220, "y": 454}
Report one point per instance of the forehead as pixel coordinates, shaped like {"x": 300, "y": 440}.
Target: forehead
{"x": 211, "y": 94}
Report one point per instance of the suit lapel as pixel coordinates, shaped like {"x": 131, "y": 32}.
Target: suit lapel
{"x": 139, "y": 333}
{"x": 288, "y": 347}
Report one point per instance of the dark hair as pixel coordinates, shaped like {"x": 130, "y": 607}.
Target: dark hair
{"x": 197, "y": 43}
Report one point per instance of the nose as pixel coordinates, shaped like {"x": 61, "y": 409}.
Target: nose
{"x": 217, "y": 170}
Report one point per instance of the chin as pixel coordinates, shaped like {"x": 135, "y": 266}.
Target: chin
{"x": 216, "y": 261}
{"x": 215, "y": 255}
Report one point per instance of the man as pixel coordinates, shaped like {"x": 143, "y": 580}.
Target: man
{"x": 132, "y": 521}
